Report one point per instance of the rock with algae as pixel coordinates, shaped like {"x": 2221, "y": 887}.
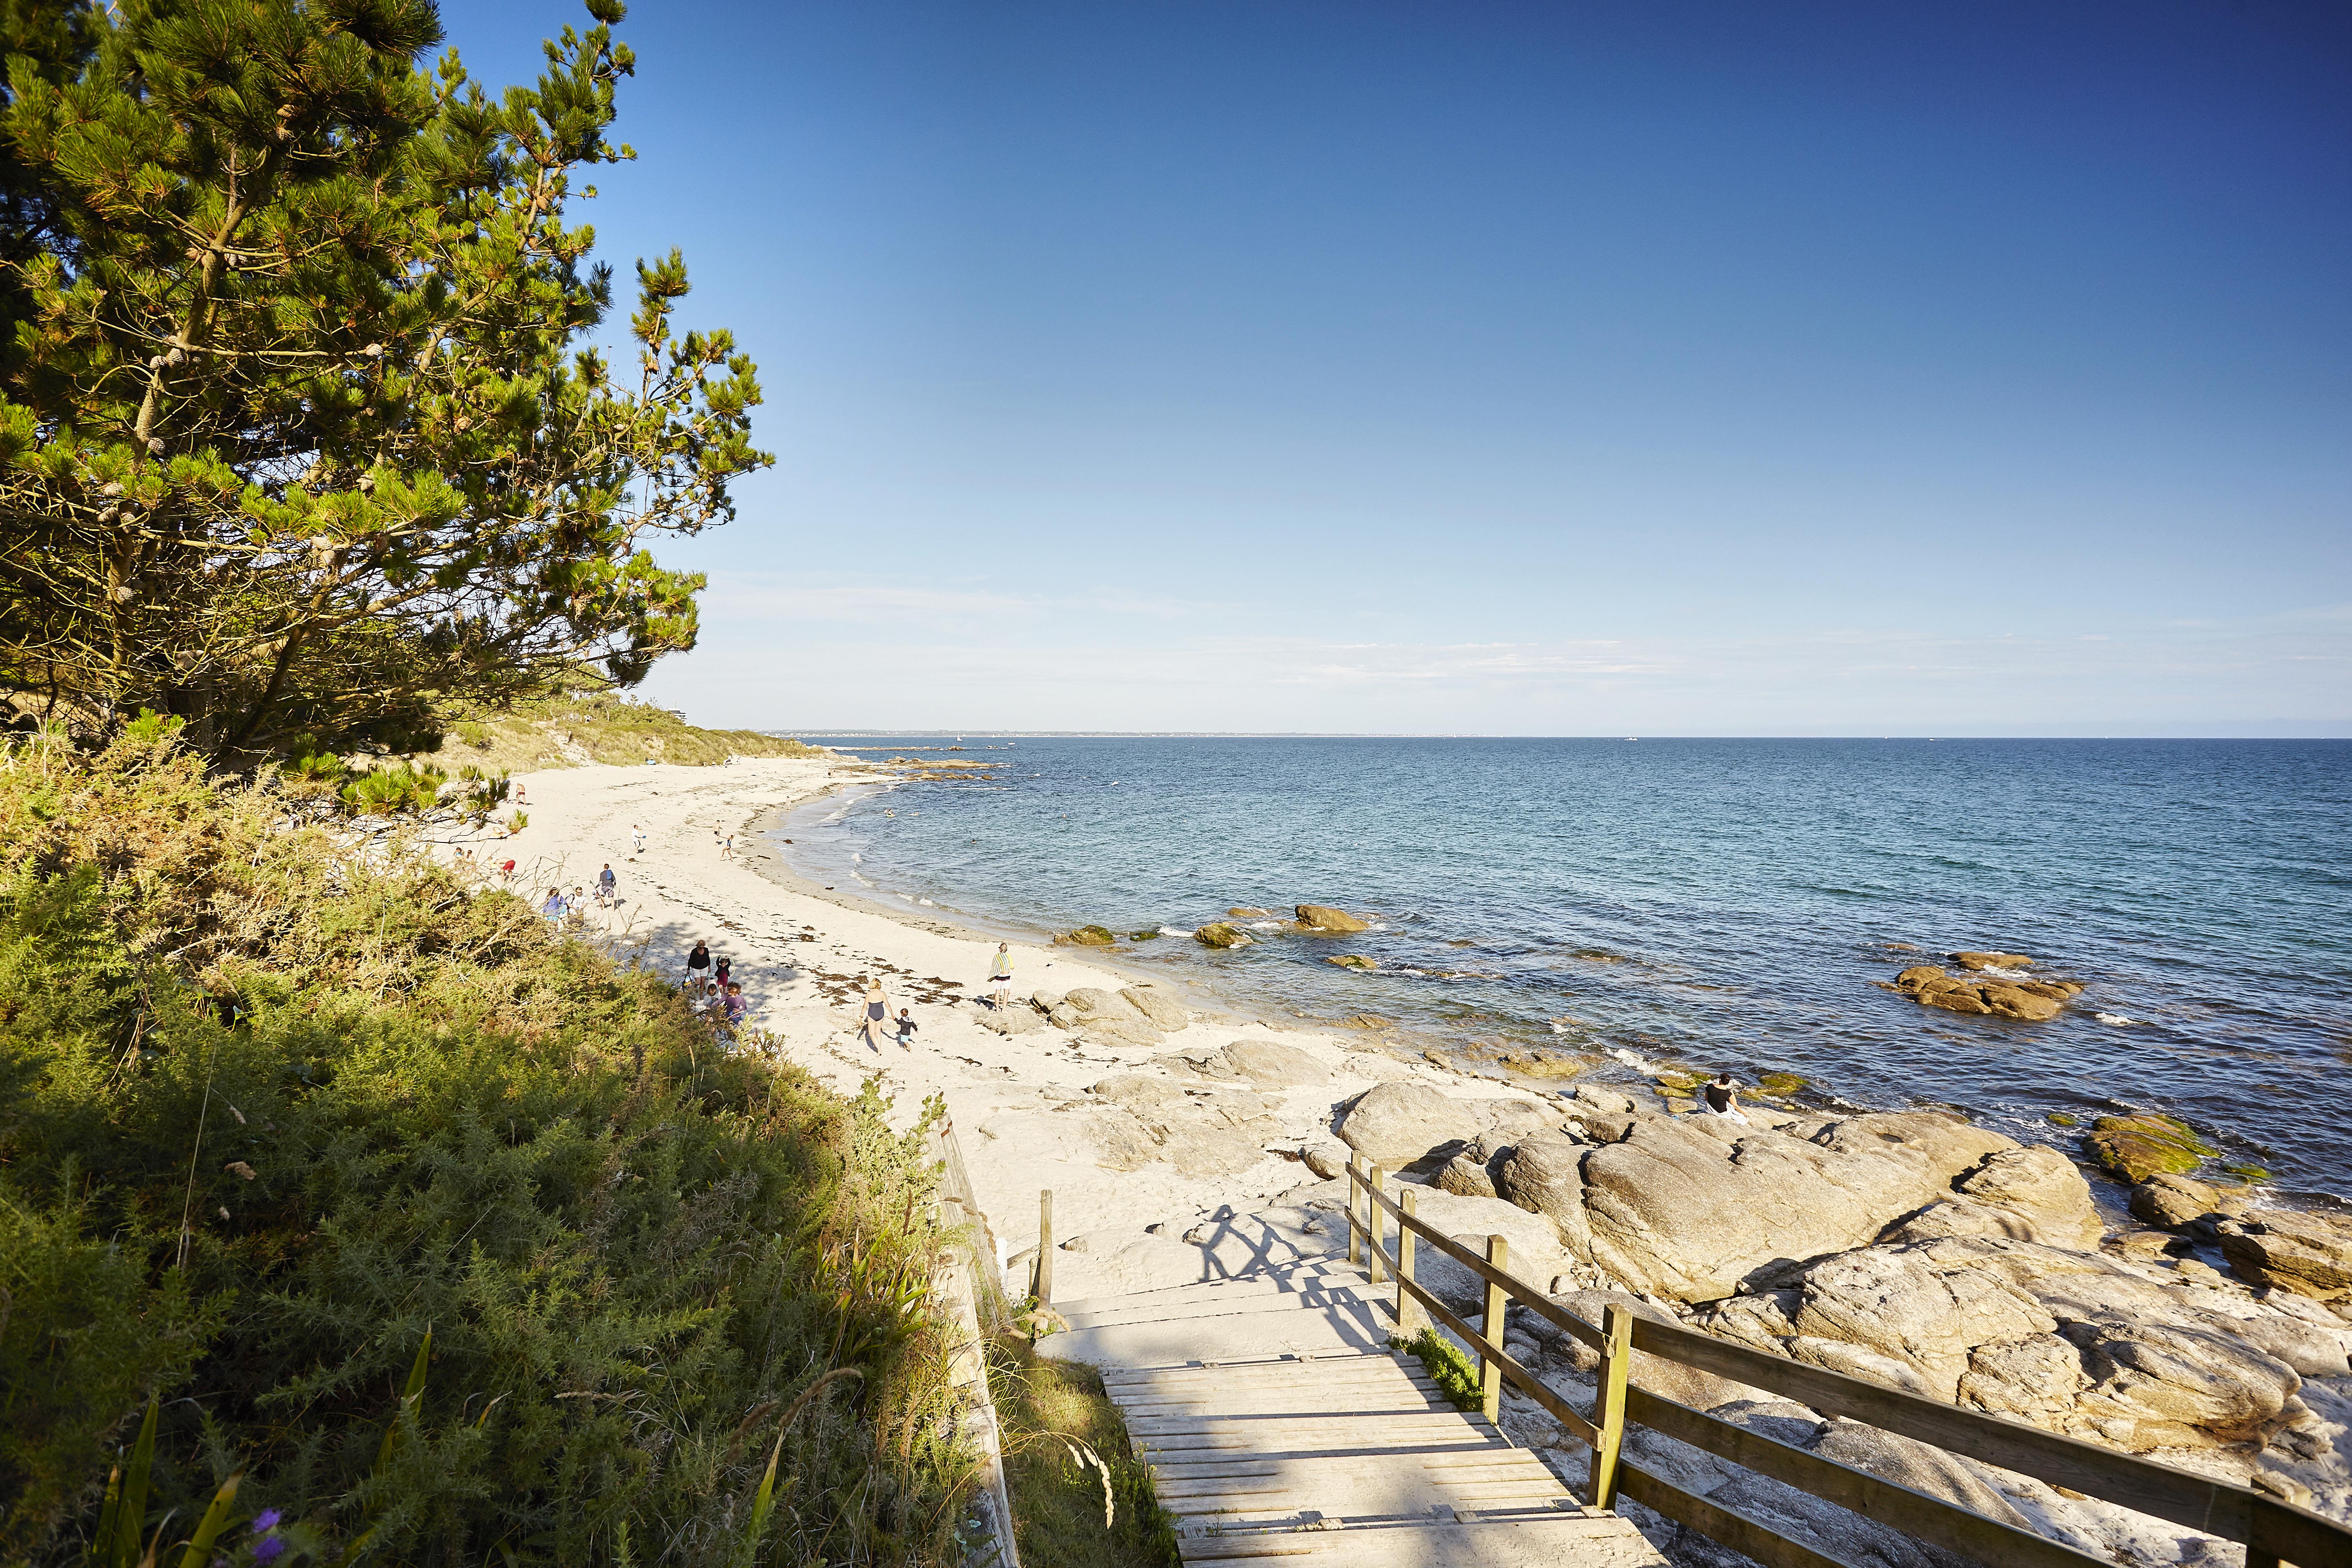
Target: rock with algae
{"x": 2138, "y": 1147}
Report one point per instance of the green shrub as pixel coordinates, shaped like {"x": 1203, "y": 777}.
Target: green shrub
{"x": 1456, "y": 1374}
{"x": 271, "y": 1113}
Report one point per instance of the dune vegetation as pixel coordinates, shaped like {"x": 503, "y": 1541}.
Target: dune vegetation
{"x": 448, "y": 1237}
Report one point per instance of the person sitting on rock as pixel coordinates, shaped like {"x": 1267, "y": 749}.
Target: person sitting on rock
{"x": 1719, "y": 1098}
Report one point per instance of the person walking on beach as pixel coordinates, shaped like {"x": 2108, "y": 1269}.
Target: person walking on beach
{"x": 606, "y": 885}
{"x": 906, "y": 1030}
{"x": 553, "y": 907}
{"x": 877, "y": 1016}
{"x": 1000, "y": 978}
{"x": 636, "y": 841}
{"x": 698, "y": 968}
{"x": 1718, "y": 1099}
{"x": 726, "y": 847}
{"x": 721, "y": 976}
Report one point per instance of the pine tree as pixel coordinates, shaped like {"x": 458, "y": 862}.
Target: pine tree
{"x": 298, "y": 440}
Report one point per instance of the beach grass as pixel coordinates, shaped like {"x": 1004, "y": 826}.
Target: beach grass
{"x": 435, "y": 1229}
{"x": 1080, "y": 1497}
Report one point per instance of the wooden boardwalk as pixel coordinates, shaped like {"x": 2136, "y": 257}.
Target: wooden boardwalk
{"x": 1332, "y": 1449}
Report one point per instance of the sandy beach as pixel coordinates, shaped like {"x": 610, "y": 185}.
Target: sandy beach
{"x": 1139, "y": 1148}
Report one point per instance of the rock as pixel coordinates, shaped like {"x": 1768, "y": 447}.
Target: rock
{"x": 1093, "y": 1002}
{"x": 1604, "y": 1100}
{"x": 1045, "y": 1001}
{"x": 1240, "y": 914}
{"x": 1467, "y": 1175}
{"x": 2067, "y": 1340}
{"x": 1670, "y": 1379}
{"x": 1690, "y": 1211}
{"x": 1353, "y": 960}
{"x": 1931, "y": 987}
{"x": 1218, "y": 934}
{"x": 1323, "y": 917}
{"x": 1264, "y": 1062}
{"x": 2138, "y": 1147}
{"x": 2177, "y": 1203}
{"x": 1543, "y": 1064}
{"x": 1086, "y": 936}
{"x": 2043, "y": 1184}
{"x": 1990, "y": 960}
{"x": 1328, "y": 1158}
{"x": 1113, "y": 1030}
{"x": 1015, "y": 1020}
{"x": 1544, "y": 1175}
{"x": 2146, "y": 1246}
{"x": 2308, "y": 1254}
{"x": 1395, "y": 1124}
{"x": 1534, "y": 1248}
{"x": 1160, "y": 1008}
{"x": 1920, "y": 1465}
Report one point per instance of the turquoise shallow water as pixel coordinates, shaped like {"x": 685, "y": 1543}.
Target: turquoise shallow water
{"x": 1717, "y": 902}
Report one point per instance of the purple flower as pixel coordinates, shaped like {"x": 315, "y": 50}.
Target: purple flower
{"x": 267, "y": 1550}
{"x": 266, "y": 1520}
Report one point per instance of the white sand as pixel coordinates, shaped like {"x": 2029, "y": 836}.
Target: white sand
{"x": 1022, "y": 1107}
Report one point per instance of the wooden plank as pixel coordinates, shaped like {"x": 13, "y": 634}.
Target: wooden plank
{"x": 1914, "y": 1512}
{"x": 1726, "y": 1527}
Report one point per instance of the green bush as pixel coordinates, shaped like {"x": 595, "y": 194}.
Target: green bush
{"x": 271, "y": 1113}
{"x": 1456, "y": 1374}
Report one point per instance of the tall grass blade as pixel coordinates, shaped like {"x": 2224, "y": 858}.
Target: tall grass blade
{"x": 216, "y": 1520}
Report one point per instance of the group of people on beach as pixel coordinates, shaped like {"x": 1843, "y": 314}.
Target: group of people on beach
{"x": 711, "y": 983}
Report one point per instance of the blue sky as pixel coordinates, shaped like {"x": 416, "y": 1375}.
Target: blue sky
{"x": 1561, "y": 369}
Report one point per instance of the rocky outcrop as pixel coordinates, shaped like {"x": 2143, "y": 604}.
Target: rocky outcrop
{"x": 1980, "y": 960}
{"x": 1262, "y": 1062}
{"x": 1353, "y": 960}
{"x": 1324, "y": 918}
{"x": 1218, "y": 934}
{"x": 1202, "y": 1131}
{"x": 1087, "y": 936}
{"x": 2070, "y": 1342}
{"x": 1155, "y": 1005}
{"x": 2033, "y": 1000}
{"x": 2308, "y": 1254}
{"x": 2191, "y": 1208}
{"x": 1016, "y": 1019}
{"x": 2140, "y": 1147}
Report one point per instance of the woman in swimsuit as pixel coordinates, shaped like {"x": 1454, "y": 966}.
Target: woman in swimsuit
{"x": 878, "y": 1016}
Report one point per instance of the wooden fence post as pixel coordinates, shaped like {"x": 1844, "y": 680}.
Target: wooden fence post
{"x": 1609, "y": 1402}
{"x": 1490, "y": 1328}
{"x": 1355, "y": 1242}
{"x": 1044, "y": 1275}
{"x": 1375, "y": 1249}
{"x": 1409, "y": 1315}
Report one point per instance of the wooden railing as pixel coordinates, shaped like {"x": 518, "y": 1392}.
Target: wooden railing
{"x": 2275, "y": 1533}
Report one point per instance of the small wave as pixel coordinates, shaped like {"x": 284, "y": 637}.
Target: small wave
{"x": 1266, "y": 925}
{"x": 2117, "y": 1019}
{"x": 1173, "y": 931}
{"x": 856, "y": 858}
{"x": 1998, "y": 973}
{"x": 1634, "y": 1060}
{"x": 927, "y": 903}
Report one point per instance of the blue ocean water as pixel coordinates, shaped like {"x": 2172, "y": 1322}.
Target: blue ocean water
{"x": 1719, "y": 903}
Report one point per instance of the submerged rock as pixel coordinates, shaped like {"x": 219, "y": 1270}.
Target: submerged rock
{"x": 1990, "y": 960}
{"x": 1353, "y": 960}
{"x": 1218, "y": 934}
{"x": 1087, "y": 936}
{"x": 2138, "y": 1147}
{"x": 1323, "y": 917}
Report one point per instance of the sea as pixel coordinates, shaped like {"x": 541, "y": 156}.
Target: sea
{"x": 1713, "y": 904}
